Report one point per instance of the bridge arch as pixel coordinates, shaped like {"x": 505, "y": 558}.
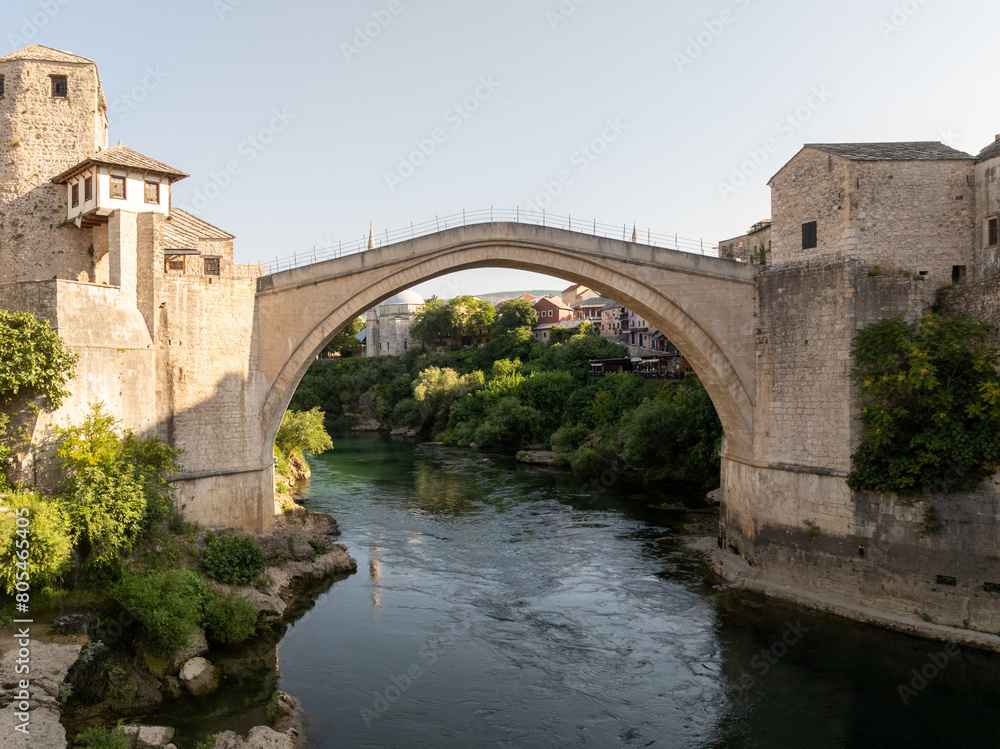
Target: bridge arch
{"x": 703, "y": 305}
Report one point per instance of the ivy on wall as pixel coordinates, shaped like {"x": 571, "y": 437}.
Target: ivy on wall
{"x": 930, "y": 398}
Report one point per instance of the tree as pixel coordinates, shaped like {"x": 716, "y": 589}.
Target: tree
{"x": 303, "y": 432}
{"x": 33, "y": 358}
{"x": 433, "y": 323}
{"x": 470, "y": 316}
{"x": 515, "y": 313}
{"x": 930, "y": 404}
{"x": 345, "y": 343}
{"x": 437, "y": 389}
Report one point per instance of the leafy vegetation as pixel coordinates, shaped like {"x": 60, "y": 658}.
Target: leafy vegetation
{"x": 514, "y": 314}
{"x": 930, "y": 404}
{"x": 303, "y": 432}
{"x": 230, "y": 619}
{"x": 115, "y": 487}
{"x": 168, "y": 604}
{"x": 234, "y": 560}
{"x": 100, "y": 737}
{"x": 33, "y": 358}
{"x": 345, "y": 343}
{"x": 47, "y": 536}
{"x": 515, "y": 391}
{"x": 458, "y": 318}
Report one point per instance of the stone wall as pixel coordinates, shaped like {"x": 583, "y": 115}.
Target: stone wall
{"x": 117, "y": 364}
{"x": 987, "y": 205}
{"x": 41, "y": 137}
{"x": 912, "y": 216}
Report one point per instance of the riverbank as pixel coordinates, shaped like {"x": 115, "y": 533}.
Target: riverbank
{"x": 741, "y": 576}
{"x": 93, "y": 664}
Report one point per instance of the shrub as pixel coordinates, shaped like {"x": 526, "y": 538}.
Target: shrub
{"x": 230, "y": 619}
{"x": 234, "y": 560}
{"x": 930, "y": 404}
{"x": 115, "y": 485}
{"x": 100, "y": 737}
{"x": 509, "y": 425}
{"x": 407, "y": 412}
{"x": 436, "y": 389}
{"x": 33, "y": 358}
{"x": 303, "y": 431}
{"x": 47, "y": 535}
{"x": 168, "y": 604}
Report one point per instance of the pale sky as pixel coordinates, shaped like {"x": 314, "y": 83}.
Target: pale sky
{"x": 656, "y": 110}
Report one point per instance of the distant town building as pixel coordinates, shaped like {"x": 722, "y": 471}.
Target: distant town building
{"x": 525, "y": 297}
{"x": 553, "y": 309}
{"x": 576, "y": 293}
{"x": 388, "y": 331}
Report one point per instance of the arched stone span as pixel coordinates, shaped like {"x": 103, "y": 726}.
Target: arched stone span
{"x": 703, "y": 305}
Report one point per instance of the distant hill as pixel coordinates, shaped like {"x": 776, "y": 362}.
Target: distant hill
{"x": 502, "y": 296}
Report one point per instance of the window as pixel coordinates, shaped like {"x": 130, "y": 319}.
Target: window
{"x": 75, "y": 190}
{"x": 174, "y": 263}
{"x": 118, "y": 188}
{"x": 957, "y": 273}
{"x": 1, "y": 85}
{"x": 59, "y": 87}
{"x": 809, "y": 236}
{"x": 211, "y": 266}
{"x": 153, "y": 192}
{"x": 991, "y": 231}
{"x": 88, "y": 189}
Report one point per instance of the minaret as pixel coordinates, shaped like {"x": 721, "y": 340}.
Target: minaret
{"x": 371, "y": 236}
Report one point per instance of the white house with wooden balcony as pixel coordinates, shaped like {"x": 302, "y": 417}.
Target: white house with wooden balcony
{"x": 117, "y": 178}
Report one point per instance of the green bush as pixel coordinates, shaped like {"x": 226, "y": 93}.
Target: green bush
{"x": 168, "y": 604}
{"x": 234, "y": 560}
{"x": 509, "y": 425}
{"x": 407, "y": 411}
{"x": 33, "y": 358}
{"x": 303, "y": 431}
{"x": 100, "y": 737}
{"x": 115, "y": 486}
{"x": 47, "y": 538}
{"x": 230, "y": 619}
{"x": 930, "y": 404}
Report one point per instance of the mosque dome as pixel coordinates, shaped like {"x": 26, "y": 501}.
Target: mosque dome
{"x": 408, "y": 297}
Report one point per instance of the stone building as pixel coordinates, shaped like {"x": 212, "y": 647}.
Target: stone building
{"x": 389, "y": 325}
{"x": 89, "y": 236}
{"x": 748, "y": 248}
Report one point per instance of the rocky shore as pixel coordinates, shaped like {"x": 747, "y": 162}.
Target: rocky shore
{"x": 92, "y": 668}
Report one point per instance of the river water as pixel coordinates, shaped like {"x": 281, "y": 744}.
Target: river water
{"x": 498, "y": 605}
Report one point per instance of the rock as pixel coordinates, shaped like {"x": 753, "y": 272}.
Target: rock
{"x": 147, "y": 737}
{"x": 260, "y": 737}
{"x": 115, "y": 684}
{"x": 50, "y": 662}
{"x": 433, "y": 444}
{"x": 160, "y": 666}
{"x": 200, "y": 677}
{"x": 75, "y": 624}
{"x": 403, "y": 431}
{"x": 367, "y": 425}
{"x": 300, "y": 549}
{"x": 299, "y": 468}
{"x": 272, "y": 607}
{"x": 714, "y": 497}
{"x": 172, "y": 686}
{"x": 537, "y": 457}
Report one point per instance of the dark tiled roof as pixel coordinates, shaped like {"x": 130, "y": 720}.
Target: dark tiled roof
{"x": 45, "y": 54}
{"x": 990, "y": 152}
{"x": 183, "y": 231}
{"x": 916, "y": 151}
{"x": 124, "y": 157}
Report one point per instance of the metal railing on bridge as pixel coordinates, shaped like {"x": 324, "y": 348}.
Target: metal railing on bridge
{"x": 515, "y": 215}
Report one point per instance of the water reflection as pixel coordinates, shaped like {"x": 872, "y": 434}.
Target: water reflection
{"x": 545, "y": 615}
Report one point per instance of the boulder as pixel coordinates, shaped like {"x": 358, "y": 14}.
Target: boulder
{"x": 115, "y": 684}
{"x": 159, "y": 666}
{"x": 270, "y": 606}
{"x": 714, "y": 497}
{"x": 537, "y": 457}
{"x": 367, "y": 425}
{"x": 200, "y": 676}
{"x": 260, "y": 737}
{"x": 147, "y": 737}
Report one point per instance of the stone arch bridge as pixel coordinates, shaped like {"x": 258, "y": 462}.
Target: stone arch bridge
{"x": 704, "y": 305}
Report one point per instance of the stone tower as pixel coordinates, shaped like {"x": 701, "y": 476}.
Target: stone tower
{"x": 52, "y": 115}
